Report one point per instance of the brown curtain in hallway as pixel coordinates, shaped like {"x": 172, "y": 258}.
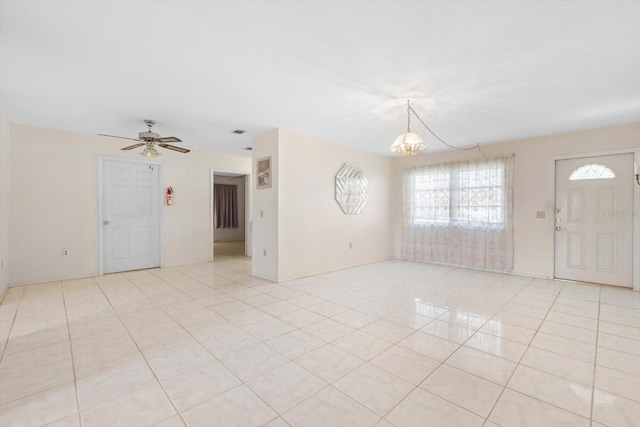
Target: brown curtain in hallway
{"x": 226, "y": 207}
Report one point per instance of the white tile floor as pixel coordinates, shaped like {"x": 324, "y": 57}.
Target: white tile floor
{"x": 387, "y": 344}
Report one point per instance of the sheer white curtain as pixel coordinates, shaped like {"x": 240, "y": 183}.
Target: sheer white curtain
{"x": 460, "y": 214}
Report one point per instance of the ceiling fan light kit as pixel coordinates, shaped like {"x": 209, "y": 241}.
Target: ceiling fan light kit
{"x": 149, "y": 152}
{"x": 150, "y": 140}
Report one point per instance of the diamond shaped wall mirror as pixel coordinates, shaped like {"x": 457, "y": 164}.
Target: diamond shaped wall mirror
{"x": 351, "y": 189}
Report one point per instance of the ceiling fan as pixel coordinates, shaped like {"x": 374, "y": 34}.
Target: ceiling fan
{"x": 150, "y": 140}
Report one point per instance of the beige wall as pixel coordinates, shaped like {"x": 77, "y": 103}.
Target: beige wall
{"x": 54, "y": 202}
{"x": 264, "y": 210}
{"x": 4, "y": 202}
{"x": 533, "y": 185}
{"x": 313, "y": 234}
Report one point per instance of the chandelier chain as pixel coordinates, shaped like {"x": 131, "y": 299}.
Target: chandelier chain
{"x": 410, "y": 109}
{"x": 408, "y": 116}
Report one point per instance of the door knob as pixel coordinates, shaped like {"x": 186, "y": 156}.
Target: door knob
{"x": 558, "y": 228}
{"x": 106, "y": 222}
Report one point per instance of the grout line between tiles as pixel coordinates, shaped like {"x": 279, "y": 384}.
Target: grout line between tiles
{"x": 141, "y": 353}
{"x": 460, "y": 345}
{"x": 6, "y": 343}
{"x": 595, "y": 362}
{"x": 306, "y": 290}
{"x": 73, "y": 365}
{"x": 525, "y": 352}
{"x": 552, "y": 404}
{"x": 245, "y": 383}
{"x": 242, "y": 382}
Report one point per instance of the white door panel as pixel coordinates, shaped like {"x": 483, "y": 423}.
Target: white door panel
{"x": 131, "y": 196}
{"x": 594, "y": 224}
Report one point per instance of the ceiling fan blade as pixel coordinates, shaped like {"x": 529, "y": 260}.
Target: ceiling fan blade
{"x": 131, "y": 147}
{"x": 121, "y": 137}
{"x": 174, "y": 148}
{"x": 168, "y": 139}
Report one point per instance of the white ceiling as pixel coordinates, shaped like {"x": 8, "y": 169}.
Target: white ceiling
{"x": 338, "y": 70}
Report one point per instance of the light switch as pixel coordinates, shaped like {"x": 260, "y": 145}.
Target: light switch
{"x": 540, "y": 214}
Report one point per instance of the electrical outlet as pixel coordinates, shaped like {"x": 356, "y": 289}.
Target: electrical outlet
{"x": 264, "y": 252}
{"x": 65, "y": 252}
{"x": 540, "y": 214}
{"x": 261, "y": 214}
{"x": 350, "y": 245}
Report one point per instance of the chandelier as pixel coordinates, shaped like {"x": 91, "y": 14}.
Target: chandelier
{"x": 411, "y": 143}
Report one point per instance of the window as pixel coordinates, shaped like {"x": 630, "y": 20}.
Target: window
{"x": 460, "y": 214}
{"x": 459, "y": 195}
{"x": 592, "y": 171}
{"x": 432, "y": 197}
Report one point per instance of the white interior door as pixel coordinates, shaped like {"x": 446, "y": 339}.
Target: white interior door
{"x": 594, "y": 219}
{"x": 131, "y": 215}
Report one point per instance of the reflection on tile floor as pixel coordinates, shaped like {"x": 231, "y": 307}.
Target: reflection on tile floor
{"x": 389, "y": 344}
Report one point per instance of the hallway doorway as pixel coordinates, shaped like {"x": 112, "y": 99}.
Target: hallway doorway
{"x": 230, "y": 221}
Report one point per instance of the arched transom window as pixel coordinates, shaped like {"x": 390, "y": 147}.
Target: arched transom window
{"x": 592, "y": 171}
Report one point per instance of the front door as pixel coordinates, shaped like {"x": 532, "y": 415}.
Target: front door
{"x": 130, "y": 215}
{"x": 594, "y": 219}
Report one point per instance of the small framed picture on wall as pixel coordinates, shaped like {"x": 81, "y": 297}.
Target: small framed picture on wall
{"x": 264, "y": 172}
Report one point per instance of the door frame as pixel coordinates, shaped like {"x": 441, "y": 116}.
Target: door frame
{"x": 635, "y": 274}
{"x": 101, "y": 160}
{"x": 247, "y": 209}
